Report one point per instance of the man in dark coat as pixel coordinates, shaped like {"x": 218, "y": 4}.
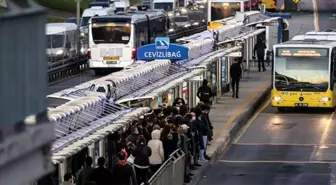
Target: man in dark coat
{"x": 85, "y": 173}
{"x": 101, "y": 175}
{"x": 259, "y": 50}
{"x": 204, "y": 93}
{"x": 235, "y": 73}
{"x": 122, "y": 172}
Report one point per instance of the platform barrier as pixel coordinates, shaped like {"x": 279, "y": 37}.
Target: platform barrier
{"x": 171, "y": 172}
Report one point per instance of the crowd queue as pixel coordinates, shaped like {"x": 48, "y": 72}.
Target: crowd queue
{"x": 151, "y": 141}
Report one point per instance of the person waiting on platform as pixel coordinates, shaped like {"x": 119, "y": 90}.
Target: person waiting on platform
{"x": 259, "y": 49}
{"x": 235, "y": 74}
{"x": 204, "y": 93}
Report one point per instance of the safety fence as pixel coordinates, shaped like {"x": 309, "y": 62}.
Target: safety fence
{"x": 171, "y": 172}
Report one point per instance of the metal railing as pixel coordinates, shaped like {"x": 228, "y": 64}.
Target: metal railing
{"x": 171, "y": 172}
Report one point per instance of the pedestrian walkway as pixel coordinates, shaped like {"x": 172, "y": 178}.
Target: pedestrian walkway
{"x": 229, "y": 114}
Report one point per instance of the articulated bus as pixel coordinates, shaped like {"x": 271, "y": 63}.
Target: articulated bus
{"x": 113, "y": 39}
{"x": 304, "y": 72}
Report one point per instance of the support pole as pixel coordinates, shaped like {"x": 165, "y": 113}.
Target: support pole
{"x": 78, "y": 26}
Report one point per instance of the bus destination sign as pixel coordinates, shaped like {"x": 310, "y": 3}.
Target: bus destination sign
{"x": 302, "y": 52}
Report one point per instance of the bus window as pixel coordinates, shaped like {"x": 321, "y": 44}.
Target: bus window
{"x": 117, "y": 31}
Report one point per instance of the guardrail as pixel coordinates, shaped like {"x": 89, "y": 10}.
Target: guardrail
{"x": 171, "y": 172}
{"x": 186, "y": 32}
{"x": 67, "y": 67}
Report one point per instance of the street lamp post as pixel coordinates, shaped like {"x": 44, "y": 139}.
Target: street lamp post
{"x": 78, "y": 25}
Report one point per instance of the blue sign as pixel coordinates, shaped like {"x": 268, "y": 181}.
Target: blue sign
{"x": 162, "y": 49}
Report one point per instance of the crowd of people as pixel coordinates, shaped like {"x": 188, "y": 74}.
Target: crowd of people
{"x": 151, "y": 141}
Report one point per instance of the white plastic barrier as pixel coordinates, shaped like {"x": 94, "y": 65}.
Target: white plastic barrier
{"x": 122, "y": 81}
{"x": 228, "y": 32}
{"x": 199, "y": 47}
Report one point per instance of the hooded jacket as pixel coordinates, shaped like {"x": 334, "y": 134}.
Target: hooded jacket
{"x": 156, "y": 146}
{"x": 204, "y": 93}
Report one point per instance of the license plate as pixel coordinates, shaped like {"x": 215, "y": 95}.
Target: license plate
{"x": 301, "y": 104}
{"x": 111, "y": 58}
{"x": 111, "y": 62}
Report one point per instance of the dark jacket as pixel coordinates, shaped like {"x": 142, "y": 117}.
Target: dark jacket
{"x": 235, "y": 71}
{"x": 171, "y": 143}
{"x": 141, "y": 155}
{"x": 204, "y": 93}
{"x": 202, "y": 126}
{"x": 84, "y": 175}
{"x": 259, "y": 48}
{"x": 123, "y": 174}
{"x": 102, "y": 176}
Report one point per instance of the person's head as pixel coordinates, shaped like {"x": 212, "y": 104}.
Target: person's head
{"x": 198, "y": 111}
{"x": 175, "y": 111}
{"x": 204, "y": 109}
{"x": 165, "y": 131}
{"x": 156, "y": 134}
{"x": 188, "y": 117}
{"x": 121, "y": 156}
{"x": 88, "y": 161}
{"x": 141, "y": 140}
{"x": 134, "y": 130}
{"x": 101, "y": 161}
{"x": 156, "y": 127}
{"x": 68, "y": 177}
{"x": 205, "y": 82}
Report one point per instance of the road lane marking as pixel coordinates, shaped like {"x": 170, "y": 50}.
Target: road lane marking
{"x": 279, "y": 161}
{"x": 251, "y": 120}
{"x": 322, "y": 143}
{"x": 316, "y": 16}
{"x": 241, "y": 109}
{"x": 277, "y": 144}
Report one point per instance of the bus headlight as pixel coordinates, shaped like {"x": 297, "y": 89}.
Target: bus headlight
{"x": 325, "y": 99}
{"x": 277, "y": 98}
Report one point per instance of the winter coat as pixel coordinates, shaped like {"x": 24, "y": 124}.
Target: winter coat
{"x": 141, "y": 156}
{"x": 171, "y": 143}
{"x": 84, "y": 175}
{"x": 156, "y": 146}
{"x": 101, "y": 175}
{"x": 123, "y": 174}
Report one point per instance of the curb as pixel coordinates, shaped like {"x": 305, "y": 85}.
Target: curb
{"x": 225, "y": 139}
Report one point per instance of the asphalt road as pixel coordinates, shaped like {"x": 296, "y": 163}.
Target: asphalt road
{"x": 296, "y": 148}
{"x": 67, "y": 83}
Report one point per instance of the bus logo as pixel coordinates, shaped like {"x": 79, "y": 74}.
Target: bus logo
{"x": 162, "y": 42}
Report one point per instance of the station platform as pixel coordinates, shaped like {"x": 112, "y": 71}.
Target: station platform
{"x": 229, "y": 114}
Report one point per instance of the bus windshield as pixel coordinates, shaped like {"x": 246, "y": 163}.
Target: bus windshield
{"x": 301, "y": 69}
{"x": 85, "y": 21}
{"x": 164, "y": 6}
{"x": 111, "y": 30}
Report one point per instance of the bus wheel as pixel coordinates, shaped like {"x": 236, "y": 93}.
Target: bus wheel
{"x": 281, "y": 109}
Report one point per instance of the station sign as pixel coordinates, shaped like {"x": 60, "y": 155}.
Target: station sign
{"x": 296, "y": 1}
{"x": 162, "y": 49}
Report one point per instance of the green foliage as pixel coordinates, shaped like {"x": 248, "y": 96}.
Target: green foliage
{"x": 54, "y": 20}
{"x": 64, "y": 5}
{"x": 70, "y": 5}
